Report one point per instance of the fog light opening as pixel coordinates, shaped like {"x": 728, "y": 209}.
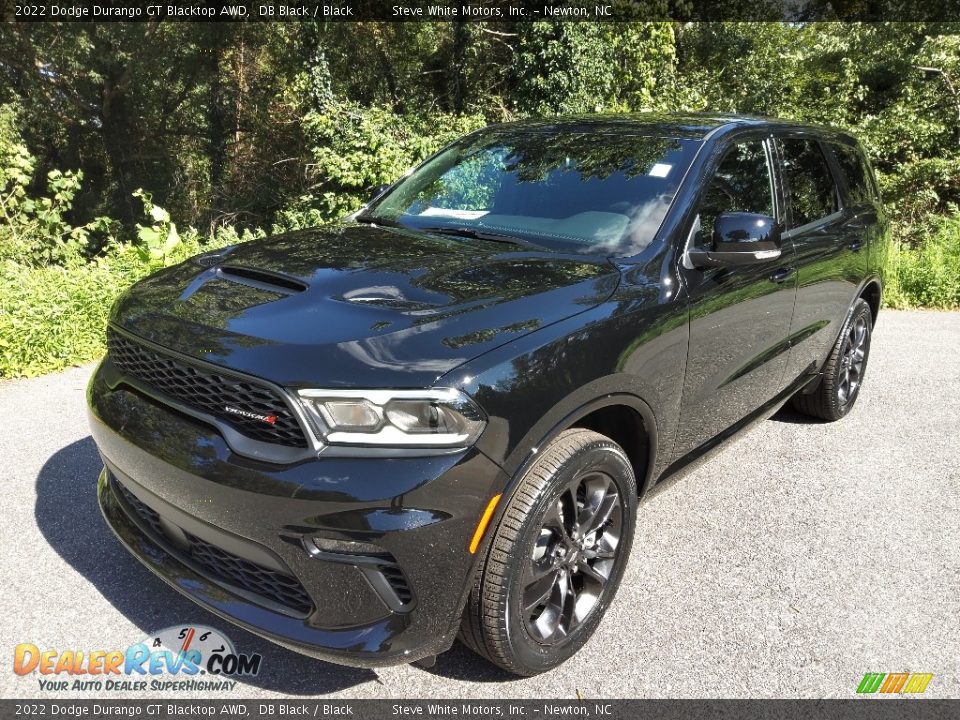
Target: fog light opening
{"x": 341, "y": 547}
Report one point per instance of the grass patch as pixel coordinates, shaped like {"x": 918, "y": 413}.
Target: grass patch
{"x": 55, "y": 316}
{"x": 928, "y": 275}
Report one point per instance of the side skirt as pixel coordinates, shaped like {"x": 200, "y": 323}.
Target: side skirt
{"x": 701, "y": 455}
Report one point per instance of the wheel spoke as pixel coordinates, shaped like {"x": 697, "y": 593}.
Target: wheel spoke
{"x": 591, "y": 572}
{"x": 572, "y": 618}
{"x": 539, "y": 569}
{"x": 559, "y": 602}
{"x": 860, "y": 333}
{"x": 556, "y": 520}
{"x": 611, "y": 502}
{"x": 539, "y": 592}
{"x": 568, "y": 604}
{"x": 600, "y": 503}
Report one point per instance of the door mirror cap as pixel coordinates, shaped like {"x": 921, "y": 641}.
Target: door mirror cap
{"x": 739, "y": 238}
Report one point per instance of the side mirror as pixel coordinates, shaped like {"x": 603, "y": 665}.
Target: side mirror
{"x": 739, "y": 238}
{"x": 377, "y": 192}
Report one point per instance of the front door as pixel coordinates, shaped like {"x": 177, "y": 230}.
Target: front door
{"x": 739, "y": 316}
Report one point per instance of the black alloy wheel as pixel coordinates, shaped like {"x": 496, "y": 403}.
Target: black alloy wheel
{"x": 843, "y": 373}
{"x": 554, "y": 561}
{"x": 572, "y": 557}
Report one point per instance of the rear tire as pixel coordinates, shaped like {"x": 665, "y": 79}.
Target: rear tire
{"x": 556, "y": 558}
{"x": 844, "y": 370}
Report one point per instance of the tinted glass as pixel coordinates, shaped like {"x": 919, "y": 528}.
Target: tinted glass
{"x": 855, "y": 171}
{"x": 571, "y": 191}
{"x": 741, "y": 184}
{"x": 813, "y": 194}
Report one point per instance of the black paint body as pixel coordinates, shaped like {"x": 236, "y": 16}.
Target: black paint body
{"x": 668, "y": 359}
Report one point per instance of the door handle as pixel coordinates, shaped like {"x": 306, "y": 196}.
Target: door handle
{"x": 856, "y": 245}
{"x": 782, "y": 274}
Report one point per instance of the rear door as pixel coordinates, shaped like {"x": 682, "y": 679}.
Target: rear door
{"x": 826, "y": 254}
{"x": 739, "y": 316}
{"x": 863, "y": 221}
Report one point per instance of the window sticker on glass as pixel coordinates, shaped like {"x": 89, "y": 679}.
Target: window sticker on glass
{"x": 660, "y": 170}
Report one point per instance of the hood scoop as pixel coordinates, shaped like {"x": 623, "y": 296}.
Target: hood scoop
{"x": 261, "y": 279}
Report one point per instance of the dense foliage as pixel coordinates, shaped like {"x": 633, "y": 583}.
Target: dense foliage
{"x": 126, "y": 146}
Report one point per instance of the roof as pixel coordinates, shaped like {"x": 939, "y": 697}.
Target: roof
{"x": 686, "y": 125}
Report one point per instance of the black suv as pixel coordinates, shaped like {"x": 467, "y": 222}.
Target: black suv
{"x": 436, "y": 418}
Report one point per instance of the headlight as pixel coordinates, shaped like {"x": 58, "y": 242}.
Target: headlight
{"x": 438, "y": 418}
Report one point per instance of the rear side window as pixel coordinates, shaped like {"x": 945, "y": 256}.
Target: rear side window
{"x": 854, "y": 169}
{"x": 813, "y": 194}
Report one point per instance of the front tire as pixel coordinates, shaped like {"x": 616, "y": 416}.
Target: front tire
{"x": 844, "y": 370}
{"x": 557, "y": 556}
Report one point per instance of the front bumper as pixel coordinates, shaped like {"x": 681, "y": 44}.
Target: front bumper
{"x": 251, "y": 541}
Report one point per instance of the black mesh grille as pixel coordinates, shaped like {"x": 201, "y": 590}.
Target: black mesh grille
{"x": 262, "y": 581}
{"x": 211, "y": 392}
{"x": 270, "y": 584}
{"x": 147, "y": 514}
{"x": 398, "y": 582}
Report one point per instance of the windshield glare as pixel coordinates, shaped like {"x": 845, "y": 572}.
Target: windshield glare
{"x": 572, "y": 192}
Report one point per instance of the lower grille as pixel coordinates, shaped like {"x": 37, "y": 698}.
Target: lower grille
{"x": 147, "y": 514}
{"x": 398, "y": 582}
{"x": 280, "y": 588}
{"x": 227, "y": 567}
{"x": 255, "y": 410}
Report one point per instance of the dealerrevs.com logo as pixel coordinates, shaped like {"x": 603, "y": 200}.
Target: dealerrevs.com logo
{"x": 180, "y": 658}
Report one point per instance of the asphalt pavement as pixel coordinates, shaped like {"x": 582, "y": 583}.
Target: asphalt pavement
{"x": 801, "y": 557}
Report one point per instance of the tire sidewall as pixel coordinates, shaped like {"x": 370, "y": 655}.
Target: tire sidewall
{"x": 605, "y": 457}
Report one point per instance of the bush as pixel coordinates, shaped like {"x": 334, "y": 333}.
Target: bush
{"x": 33, "y": 229}
{"x": 54, "y": 316}
{"x": 927, "y": 275}
{"x": 354, "y": 149}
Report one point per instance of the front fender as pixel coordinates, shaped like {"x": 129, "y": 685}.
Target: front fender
{"x": 628, "y": 353}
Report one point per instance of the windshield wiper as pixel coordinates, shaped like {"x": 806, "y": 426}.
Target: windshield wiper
{"x": 481, "y": 235}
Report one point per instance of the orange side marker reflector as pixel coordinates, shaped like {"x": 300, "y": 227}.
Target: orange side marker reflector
{"x": 484, "y": 521}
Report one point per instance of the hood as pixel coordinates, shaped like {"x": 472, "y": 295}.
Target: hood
{"x": 357, "y": 305}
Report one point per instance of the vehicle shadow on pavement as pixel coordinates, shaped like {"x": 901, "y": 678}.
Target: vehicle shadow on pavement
{"x": 787, "y": 414}
{"x": 68, "y": 516}
{"x": 460, "y": 663}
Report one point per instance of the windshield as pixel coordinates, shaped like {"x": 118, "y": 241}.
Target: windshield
{"x": 571, "y": 191}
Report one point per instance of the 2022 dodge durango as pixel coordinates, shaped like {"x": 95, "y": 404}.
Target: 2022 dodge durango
{"x": 436, "y": 418}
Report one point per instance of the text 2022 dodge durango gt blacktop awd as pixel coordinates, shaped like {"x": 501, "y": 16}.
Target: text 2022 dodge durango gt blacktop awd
{"x": 435, "y": 418}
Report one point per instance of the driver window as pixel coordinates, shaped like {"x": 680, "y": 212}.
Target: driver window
{"x": 742, "y": 183}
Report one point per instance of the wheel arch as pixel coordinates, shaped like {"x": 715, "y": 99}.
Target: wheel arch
{"x": 872, "y": 293}
{"x": 623, "y": 417}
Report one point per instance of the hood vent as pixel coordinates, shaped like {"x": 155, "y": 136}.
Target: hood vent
{"x": 262, "y": 279}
